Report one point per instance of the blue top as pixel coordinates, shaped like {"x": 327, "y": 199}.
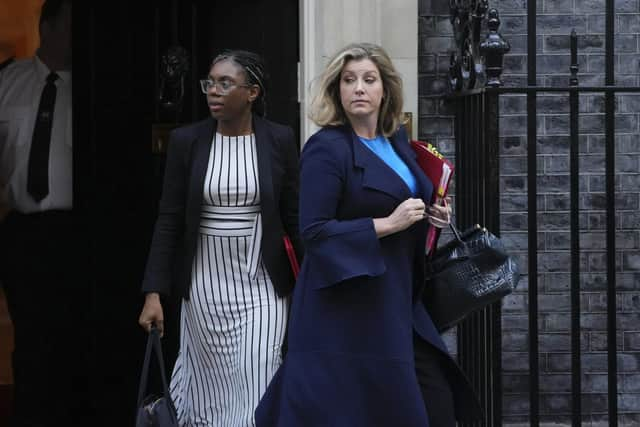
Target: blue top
{"x": 383, "y": 148}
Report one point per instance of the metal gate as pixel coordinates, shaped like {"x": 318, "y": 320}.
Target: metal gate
{"x": 475, "y": 79}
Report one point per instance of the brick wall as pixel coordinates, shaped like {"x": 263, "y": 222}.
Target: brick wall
{"x": 555, "y": 19}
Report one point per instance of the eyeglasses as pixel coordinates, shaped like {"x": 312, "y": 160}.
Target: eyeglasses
{"x": 223, "y": 86}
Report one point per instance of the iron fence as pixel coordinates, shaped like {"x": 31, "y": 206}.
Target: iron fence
{"x": 475, "y": 80}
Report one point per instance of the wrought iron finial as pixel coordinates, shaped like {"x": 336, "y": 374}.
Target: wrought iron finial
{"x": 573, "y": 80}
{"x": 493, "y": 49}
{"x": 494, "y": 20}
{"x": 475, "y": 64}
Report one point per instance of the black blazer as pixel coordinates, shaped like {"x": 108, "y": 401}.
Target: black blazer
{"x": 175, "y": 236}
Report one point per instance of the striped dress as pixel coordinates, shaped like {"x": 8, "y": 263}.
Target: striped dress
{"x": 233, "y": 325}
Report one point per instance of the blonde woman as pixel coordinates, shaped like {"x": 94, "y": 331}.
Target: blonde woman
{"x": 363, "y": 350}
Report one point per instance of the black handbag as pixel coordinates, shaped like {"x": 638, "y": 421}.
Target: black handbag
{"x": 154, "y": 410}
{"x": 468, "y": 273}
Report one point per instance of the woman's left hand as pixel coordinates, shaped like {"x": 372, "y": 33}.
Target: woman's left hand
{"x": 440, "y": 216}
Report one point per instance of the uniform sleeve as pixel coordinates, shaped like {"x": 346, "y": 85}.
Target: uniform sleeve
{"x": 336, "y": 250}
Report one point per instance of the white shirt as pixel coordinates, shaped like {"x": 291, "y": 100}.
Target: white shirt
{"x": 21, "y": 85}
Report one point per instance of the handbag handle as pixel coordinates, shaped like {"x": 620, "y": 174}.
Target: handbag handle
{"x": 459, "y": 237}
{"x": 153, "y": 343}
{"x": 456, "y": 233}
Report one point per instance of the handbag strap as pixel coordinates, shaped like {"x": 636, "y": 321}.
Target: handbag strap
{"x": 455, "y": 231}
{"x": 144, "y": 376}
{"x": 153, "y": 343}
{"x": 460, "y": 237}
{"x": 163, "y": 375}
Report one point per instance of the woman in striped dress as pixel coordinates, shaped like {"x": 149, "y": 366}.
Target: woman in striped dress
{"x": 230, "y": 195}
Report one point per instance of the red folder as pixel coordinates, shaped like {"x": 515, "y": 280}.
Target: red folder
{"x": 291, "y": 253}
{"x": 439, "y": 171}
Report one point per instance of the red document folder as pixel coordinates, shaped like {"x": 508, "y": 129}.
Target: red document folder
{"x": 439, "y": 171}
{"x": 291, "y": 253}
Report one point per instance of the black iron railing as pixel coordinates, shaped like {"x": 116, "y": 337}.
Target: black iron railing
{"x": 477, "y": 196}
{"x": 476, "y": 88}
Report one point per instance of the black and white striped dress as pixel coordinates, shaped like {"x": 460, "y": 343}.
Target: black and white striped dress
{"x": 233, "y": 325}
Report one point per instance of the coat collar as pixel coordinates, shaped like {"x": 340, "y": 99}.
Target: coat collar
{"x": 264, "y": 143}
{"x": 400, "y": 141}
{"x": 379, "y": 176}
{"x": 199, "y": 161}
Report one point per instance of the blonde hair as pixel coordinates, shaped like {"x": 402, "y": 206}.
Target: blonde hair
{"x": 326, "y": 107}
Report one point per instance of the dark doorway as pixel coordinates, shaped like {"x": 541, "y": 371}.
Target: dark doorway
{"x": 117, "y": 176}
{"x": 269, "y": 28}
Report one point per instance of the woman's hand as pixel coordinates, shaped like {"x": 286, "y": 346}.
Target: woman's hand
{"x": 440, "y": 216}
{"x": 404, "y": 215}
{"x": 152, "y": 313}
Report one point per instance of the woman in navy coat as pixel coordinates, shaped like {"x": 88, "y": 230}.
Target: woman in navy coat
{"x": 363, "y": 350}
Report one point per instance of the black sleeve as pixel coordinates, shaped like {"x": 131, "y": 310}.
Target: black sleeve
{"x": 289, "y": 198}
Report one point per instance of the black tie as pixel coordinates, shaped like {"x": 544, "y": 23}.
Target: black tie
{"x": 38, "y": 177}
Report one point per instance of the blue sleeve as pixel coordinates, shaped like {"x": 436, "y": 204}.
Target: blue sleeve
{"x": 336, "y": 250}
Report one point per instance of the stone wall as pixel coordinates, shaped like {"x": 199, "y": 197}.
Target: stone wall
{"x": 555, "y": 19}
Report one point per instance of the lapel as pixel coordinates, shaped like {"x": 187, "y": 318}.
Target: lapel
{"x": 264, "y": 143}
{"x": 400, "y": 142}
{"x": 379, "y": 176}
{"x": 199, "y": 162}
{"x": 376, "y": 174}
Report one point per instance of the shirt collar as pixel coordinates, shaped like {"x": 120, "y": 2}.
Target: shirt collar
{"x": 43, "y": 71}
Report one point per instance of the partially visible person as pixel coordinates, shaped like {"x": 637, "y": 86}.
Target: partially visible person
{"x": 37, "y": 259}
{"x": 230, "y": 195}
{"x": 6, "y": 62}
{"x": 363, "y": 350}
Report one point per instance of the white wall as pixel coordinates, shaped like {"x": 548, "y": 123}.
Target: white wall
{"x": 328, "y": 25}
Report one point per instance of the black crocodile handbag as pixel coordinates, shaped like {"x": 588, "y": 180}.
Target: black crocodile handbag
{"x": 154, "y": 410}
{"x": 468, "y": 273}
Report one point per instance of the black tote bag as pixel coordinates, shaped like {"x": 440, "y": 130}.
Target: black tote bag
{"x": 153, "y": 410}
{"x": 468, "y": 273}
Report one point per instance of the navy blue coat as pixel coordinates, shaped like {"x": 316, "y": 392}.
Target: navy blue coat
{"x": 356, "y": 303}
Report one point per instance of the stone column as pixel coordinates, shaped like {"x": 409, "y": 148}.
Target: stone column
{"x": 328, "y": 25}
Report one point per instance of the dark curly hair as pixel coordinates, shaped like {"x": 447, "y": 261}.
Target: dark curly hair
{"x": 255, "y": 73}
